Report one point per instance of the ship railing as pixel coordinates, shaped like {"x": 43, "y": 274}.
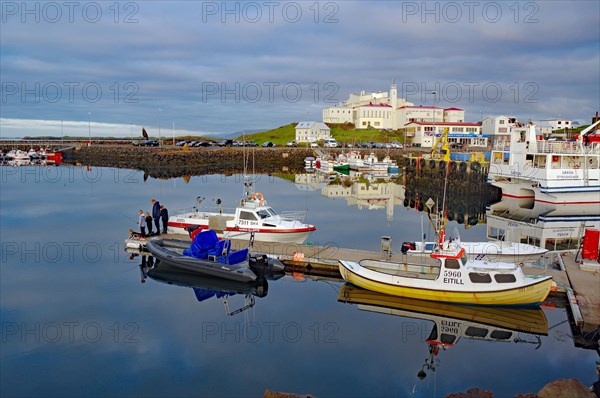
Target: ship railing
{"x": 203, "y": 209}
{"x": 293, "y": 215}
{"x": 558, "y": 147}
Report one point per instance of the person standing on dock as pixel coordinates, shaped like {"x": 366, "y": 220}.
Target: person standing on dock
{"x": 149, "y": 223}
{"x": 164, "y": 214}
{"x": 156, "y": 215}
{"x": 142, "y": 222}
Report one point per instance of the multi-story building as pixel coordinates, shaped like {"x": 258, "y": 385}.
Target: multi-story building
{"x": 368, "y": 110}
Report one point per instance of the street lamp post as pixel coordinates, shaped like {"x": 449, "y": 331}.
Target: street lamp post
{"x": 89, "y": 128}
{"x": 131, "y": 130}
{"x": 159, "y": 143}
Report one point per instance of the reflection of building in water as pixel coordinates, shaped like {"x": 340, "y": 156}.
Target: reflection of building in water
{"x": 557, "y": 228}
{"x": 307, "y": 182}
{"x": 465, "y": 201}
{"x": 373, "y": 195}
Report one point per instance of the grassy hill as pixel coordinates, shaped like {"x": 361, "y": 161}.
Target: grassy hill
{"x": 341, "y": 132}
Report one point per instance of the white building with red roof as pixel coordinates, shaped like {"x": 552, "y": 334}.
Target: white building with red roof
{"x": 368, "y": 110}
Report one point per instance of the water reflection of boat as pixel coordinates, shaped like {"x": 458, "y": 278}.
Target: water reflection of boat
{"x": 528, "y": 320}
{"x": 448, "y": 275}
{"x": 206, "y": 287}
{"x": 554, "y": 229}
{"x": 453, "y": 322}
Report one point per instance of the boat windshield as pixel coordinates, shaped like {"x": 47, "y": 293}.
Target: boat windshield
{"x": 464, "y": 258}
{"x": 271, "y": 211}
{"x": 263, "y": 213}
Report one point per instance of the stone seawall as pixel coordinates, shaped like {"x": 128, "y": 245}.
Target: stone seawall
{"x": 175, "y": 162}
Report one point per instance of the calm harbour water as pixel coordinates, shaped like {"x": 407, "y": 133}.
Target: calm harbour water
{"x": 76, "y": 321}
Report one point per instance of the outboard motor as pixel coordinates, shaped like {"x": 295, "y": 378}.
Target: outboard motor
{"x": 262, "y": 265}
{"x": 406, "y": 246}
{"x": 190, "y": 229}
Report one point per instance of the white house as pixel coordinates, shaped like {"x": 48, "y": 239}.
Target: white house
{"x": 312, "y": 131}
{"x": 543, "y": 128}
{"x": 498, "y": 128}
{"x": 424, "y": 134}
{"x": 559, "y": 124}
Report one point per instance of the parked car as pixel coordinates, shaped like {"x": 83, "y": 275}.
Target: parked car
{"x": 457, "y": 145}
{"x": 396, "y": 144}
{"x": 268, "y": 144}
{"x": 314, "y": 145}
{"x": 137, "y": 143}
{"x": 251, "y": 143}
{"x": 330, "y": 143}
{"x": 225, "y": 143}
{"x": 292, "y": 144}
{"x": 181, "y": 143}
{"x": 151, "y": 143}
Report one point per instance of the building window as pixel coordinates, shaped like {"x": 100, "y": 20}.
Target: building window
{"x": 501, "y": 121}
{"x": 559, "y": 122}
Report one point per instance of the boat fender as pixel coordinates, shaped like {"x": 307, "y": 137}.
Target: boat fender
{"x": 258, "y": 196}
{"x": 406, "y": 246}
{"x": 432, "y": 164}
{"x": 298, "y": 256}
{"x": 442, "y": 236}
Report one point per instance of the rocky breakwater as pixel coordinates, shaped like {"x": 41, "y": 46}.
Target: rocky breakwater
{"x": 177, "y": 162}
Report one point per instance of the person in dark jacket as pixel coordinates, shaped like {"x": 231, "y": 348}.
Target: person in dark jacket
{"x": 156, "y": 215}
{"x": 149, "y": 223}
{"x": 164, "y": 214}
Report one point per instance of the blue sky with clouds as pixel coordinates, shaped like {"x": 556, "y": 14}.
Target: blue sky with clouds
{"x": 222, "y": 67}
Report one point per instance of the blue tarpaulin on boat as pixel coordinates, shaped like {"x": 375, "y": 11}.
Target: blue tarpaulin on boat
{"x": 205, "y": 294}
{"x": 203, "y": 242}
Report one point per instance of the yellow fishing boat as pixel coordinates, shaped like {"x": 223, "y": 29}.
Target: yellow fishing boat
{"x": 448, "y": 274}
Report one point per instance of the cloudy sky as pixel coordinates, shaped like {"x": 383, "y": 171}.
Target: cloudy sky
{"x": 223, "y": 67}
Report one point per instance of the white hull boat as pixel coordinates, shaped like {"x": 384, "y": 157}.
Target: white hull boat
{"x": 253, "y": 216}
{"x": 489, "y": 251}
{"x": 556, "y": 173}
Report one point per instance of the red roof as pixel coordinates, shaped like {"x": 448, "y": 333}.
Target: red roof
{"x": 453, "y": 109}
{"x": 419, "y": 107}
{"x": 469, "y": 124}
{"x": 372, "y": 104}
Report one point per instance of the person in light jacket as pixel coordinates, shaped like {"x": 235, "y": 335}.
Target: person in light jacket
{"x": 156, "y": 215}
{"x": 164, "y": 214}
{"x": 142, "y": 222}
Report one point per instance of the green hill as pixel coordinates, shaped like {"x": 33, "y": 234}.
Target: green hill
{"x": 343, "y": 133}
